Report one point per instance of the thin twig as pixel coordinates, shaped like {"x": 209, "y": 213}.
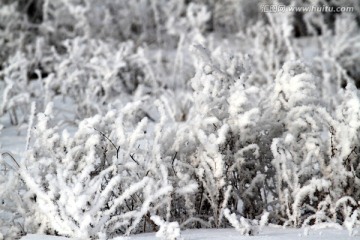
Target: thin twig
{"x": 333, "y": 148}
{"x": 172, "y": 163}
{"x": 112, "y": 143}
{"x": 347, "y": 160}
{"x": 8, "y": 154}
{"x": 132, "y": 157}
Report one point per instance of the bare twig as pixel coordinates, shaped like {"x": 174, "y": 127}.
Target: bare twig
{"x": 347, "y": 160}
{"x": 132, "y": 157}
{"x": 333, "y": 148}
{"x": 12, "y": 158}
{"x": 112, "y": 143}
{"x": 172, "y": 163}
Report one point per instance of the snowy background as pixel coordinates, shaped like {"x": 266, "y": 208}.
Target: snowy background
{"x": 177, "y": 119}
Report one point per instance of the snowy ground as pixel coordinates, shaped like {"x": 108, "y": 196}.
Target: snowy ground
{"x": 269, "y": 233}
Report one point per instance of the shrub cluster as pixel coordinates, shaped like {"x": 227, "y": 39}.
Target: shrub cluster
{"x": 178, "y": 123}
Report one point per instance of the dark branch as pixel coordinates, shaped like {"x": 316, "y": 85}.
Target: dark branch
{"x": 172, "y": 163}
{"x": 132, "y": 157}
{"x": 12, "y": 158}
{"x": 112, "y": 143}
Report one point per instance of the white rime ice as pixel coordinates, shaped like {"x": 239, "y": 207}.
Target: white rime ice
{"x": 160, "y": 116}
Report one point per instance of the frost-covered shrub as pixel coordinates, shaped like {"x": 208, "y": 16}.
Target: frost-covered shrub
{"x": 109, "y": 177}
{"x": 141, "y": 21}
{"x": 11, "y": 205}
{"x": 315, "y": 157}
{"x": 241, "y": 225}
{"x": 15, "y": 97}
{"x": 88, "y": 75}
{"x": 223, "y": 121}
{"x": 167, "y": 231}
{"x": 13, "y": 30}
{"x": 270, "y": 44}
{"x": 92, "y": 73}
{"x": 339, "y": 60}
{"x": 170, "y": 143}
{"x": 118, "y": 170}
{"x": 24, "y": 74}
{"x": 232, "y": 16}
{"x": 83, "y": 197}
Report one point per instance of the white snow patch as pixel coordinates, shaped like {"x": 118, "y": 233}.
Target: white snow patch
{"x": 268, "y": 233}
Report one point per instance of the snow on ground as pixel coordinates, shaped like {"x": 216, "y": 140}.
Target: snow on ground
{"x": 13, "y": 138}
{"x": 268, "y": 233}
{"x": 42, "y": 237}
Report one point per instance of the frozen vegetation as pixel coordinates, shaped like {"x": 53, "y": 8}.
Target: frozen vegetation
{"x": 155, "y": 118}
